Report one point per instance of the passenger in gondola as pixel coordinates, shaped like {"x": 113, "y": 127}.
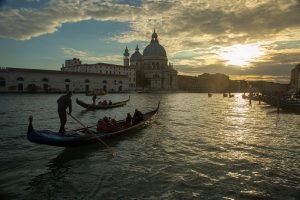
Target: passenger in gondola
{"x": 104, "y": 102}
{"x": 103, "y": 124}
{"x": 113, "y": 122}
{"x": 63, "y": 103}
{"x": 105, "y": 119}
{"x": 137, "y": 117}
{"x": 94, "y": 99}
{"x": 100, "y": 102}
{"x": 110, "y": 103}
{"x": 128, "y": 119}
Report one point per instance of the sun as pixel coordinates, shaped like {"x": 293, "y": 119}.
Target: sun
{"x": 240, "y": 54}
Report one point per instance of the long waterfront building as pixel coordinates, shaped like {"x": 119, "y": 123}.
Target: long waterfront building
{"x": 36, "y": 80}
{"x": 75, "y": 65}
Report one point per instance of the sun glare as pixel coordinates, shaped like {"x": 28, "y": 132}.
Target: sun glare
{"x": 241, "y": 55}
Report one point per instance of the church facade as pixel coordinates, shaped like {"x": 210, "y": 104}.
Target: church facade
{"x": 152, "y": 68}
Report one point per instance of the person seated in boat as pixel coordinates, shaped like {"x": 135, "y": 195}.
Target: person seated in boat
{"x": 113, "y": 122}
{"x": 110, "y": 103}
{"x": 105, "y": 119}
{"x": 104, "y": 102}
{"x": 100, "y": 102}
{"x": 137, "y": 117}
{"x": 128, "y": 119}
{"x": 103, "y": 124}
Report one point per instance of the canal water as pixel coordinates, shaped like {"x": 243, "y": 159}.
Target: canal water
{"x": 195, "y": 148}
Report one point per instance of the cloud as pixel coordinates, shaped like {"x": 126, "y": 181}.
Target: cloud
{"x": 191, "y": 23}
{"x": 23, "y": 24}
{"x": 88, "y": 57}
{"x": 281, "y": 79}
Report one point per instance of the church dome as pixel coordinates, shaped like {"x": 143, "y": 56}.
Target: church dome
{"x": 154, "y": 48}
{"x": 136, "y": 56}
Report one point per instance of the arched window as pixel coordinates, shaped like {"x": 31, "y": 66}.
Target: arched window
{"x": 20, "y": 79}
{"x": 87, "y": 81}
{"x": 67, "y": 80}
{"x": 104, "y": 81}
{"x": 2, "y": 82}
{"x": 45, "y": 79}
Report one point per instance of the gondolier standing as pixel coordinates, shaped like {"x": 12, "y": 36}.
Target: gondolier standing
{"x": 94, "y": 99}
{"x": 63, "y": 103}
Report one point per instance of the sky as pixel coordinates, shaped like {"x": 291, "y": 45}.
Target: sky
{"x": 245, "y": 39}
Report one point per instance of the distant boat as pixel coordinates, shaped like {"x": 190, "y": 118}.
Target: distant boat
{"x": 231, "y": 95}
{"x": 225, "y": 94}
{"x": 144, "y": 91}
{"x": 81, "y": 137}
{"x": 101, "y": 106}
{"x": 290, "y": 105}
{"x": 96, "y": 92}
{"x": 209, "y": 94}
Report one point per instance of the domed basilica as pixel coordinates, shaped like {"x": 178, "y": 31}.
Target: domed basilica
{"x": 152, "y": 68}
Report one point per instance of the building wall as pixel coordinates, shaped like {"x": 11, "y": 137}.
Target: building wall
{"x": 56, "y": 81}
{"x": 106, "y": 69}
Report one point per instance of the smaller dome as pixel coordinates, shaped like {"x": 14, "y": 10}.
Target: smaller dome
{"x": 126, "y": 53}
{"x": 136, "y": 56}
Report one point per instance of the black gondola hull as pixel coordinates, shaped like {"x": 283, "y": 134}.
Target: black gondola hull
{"x": 79, "y": 138}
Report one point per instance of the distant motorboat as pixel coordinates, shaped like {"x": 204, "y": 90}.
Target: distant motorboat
{"x": 225, "y": 94}
{"x": 209, "y": 94}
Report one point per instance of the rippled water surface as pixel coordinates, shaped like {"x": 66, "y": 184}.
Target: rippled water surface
{"x": 195, "y": 148}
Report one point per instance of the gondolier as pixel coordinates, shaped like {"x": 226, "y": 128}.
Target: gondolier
{"x": 94, "y": 99}
{"x": 63, "y": 103}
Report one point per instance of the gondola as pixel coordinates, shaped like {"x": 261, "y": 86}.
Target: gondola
{"x": 101, "y": 106}
{"x": 96, "y": 92}
{"x": 80, "y": 137}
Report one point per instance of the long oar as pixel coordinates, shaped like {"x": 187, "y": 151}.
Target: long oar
{"x": 86, "y": 128}
{"x": 78, "y": 129}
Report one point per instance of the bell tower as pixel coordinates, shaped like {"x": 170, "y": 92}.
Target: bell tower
{"x": 126, "y": 57}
